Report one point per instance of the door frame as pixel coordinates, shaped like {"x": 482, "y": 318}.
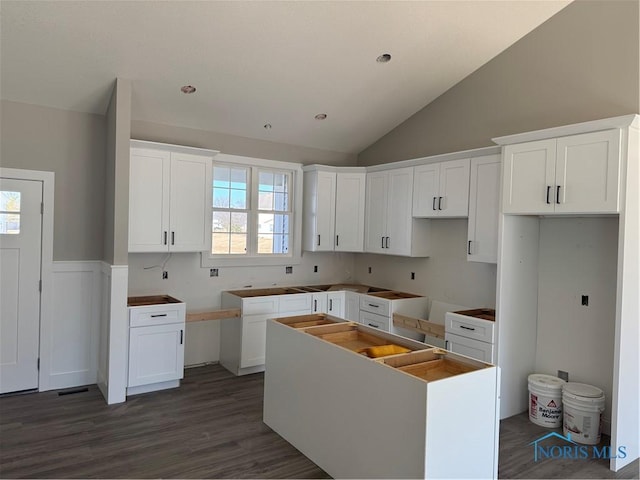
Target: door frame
{"x": 46, "y": 265}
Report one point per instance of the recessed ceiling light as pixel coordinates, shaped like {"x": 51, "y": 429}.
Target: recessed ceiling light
{"x": 321, "y": 116}
{"x": 384, "y": 58}
{"x": 188, "y": 89}
{"x": 267, "y": 126}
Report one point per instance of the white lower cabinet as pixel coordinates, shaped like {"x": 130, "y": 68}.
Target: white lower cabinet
{"x": 352, "y": 306}
{"x": 156, "y": 347}
{"x": 471, "y": 348}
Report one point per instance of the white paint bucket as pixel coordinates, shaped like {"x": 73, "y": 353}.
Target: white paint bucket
{"x": 545, "y": 400}
{"x": 583, "y": 407}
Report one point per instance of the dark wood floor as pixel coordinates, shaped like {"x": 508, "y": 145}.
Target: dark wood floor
{"x": 211, "y": 427}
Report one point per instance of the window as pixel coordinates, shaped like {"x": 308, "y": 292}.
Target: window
{"x": 253, "y": 214}
{"x": 9, "y": 212}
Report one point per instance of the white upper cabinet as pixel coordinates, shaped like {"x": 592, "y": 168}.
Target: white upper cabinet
{"x": 390, "y": 228}
{"x": 441, "y": 189}
{"x": 333, "y": 210}
{"x": 569, "y": 175}
{"x": 170, "y": 196}
{"x": 484, "y": 205}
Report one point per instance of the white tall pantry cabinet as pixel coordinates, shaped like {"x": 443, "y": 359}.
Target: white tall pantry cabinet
{"x": 579, "y": 171}
{"x": 169, "y": 195}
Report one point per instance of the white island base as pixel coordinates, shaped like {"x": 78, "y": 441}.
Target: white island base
{"x": 424, "y": 414}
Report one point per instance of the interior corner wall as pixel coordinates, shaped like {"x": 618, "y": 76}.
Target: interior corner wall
{"x": 118, "y": 132}
{"x": 72, "y": 145}
{"x": 582, "y": 64}
{"x": 236, "y": 145}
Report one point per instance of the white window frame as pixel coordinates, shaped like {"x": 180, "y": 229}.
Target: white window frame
{"x": 209, "y": 260}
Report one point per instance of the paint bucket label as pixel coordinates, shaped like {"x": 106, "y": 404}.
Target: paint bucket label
{"x": 545, "y": 411}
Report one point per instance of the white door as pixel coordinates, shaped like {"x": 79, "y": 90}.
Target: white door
{"x": 529, "y": 177}
{"x": 349, "y": 206}
{"x": 588, "y": 173}
{"x": 454, "y": 189}
{"x": 20, "y": 250}
{"x": 190, "y": 203}
{"x": 148, "y": 200}
{"x": 484, "y": 205}
{"x": 426, "y": 190}
{"x": 376, "y": 212}
{"x": 399, "y": 220}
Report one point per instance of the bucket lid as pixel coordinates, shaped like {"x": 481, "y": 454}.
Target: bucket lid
{"x": 582, "y": 390}
{"x": 546, "y": 380}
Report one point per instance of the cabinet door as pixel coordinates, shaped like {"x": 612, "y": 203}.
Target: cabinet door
{"x": 426, "y": 190}
{"x": 191, "y": 198}
{"x": 319, "y": 207}
{"x": 529, "y": 177}
{"x": 352, "y": 306}
{"x": 336, "y": 304}
{"x": 319, "y": 303}
{"x": 484, "y": 196}
{"x": 453, "y": 199}
{"x": 588, "y": 173}
{"x": 156, "y": 354}
{"x": 349, "y": 208}
{"x": 399, "y": 219}
{"x": 376, "y": 212}
{"x": 149, "y": 174}
{"x": 254, "y": 338}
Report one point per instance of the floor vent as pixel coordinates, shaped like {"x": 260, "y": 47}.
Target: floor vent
{"x": 73, "y": 390}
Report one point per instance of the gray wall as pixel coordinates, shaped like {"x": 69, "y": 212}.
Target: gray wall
{"x": 235, "y": 145}
{"x": 580, "y": 65}
{"x": 72, "y": 145}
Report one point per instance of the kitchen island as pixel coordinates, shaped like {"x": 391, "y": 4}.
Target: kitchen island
{"x": 427, "y": 413}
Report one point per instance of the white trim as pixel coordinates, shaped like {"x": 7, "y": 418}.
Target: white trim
{"x": 577, "y": 128}
{"x": 173, "y": 148}
{"x": 118, "y": 328}
{"x": 330, "y": 168}
{"x": 46, "y": 273}
{"x": 444, "y": 157}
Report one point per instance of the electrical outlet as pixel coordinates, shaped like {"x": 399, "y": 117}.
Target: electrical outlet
{"x": 413, "y": 275}
{"x": 315, "y": 269}
{"x": 213, "y": 272}
{"x": 288, "y": 270}
{"x": 165, "y": 275}
{"x": 369, "y": 269}
{"x": 585, "y": 300}
{"x": 563, "y": 375}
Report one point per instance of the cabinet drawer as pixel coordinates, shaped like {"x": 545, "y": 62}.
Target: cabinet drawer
{"x": 156, "y": 315}
{"x": 297, "y": 302}
{"x": 469, "y": 327}
{"x": 471, "y": 348}
{"x": 376, "y": 321}
{"x": 374, "y": 305}
{"x": 260, "y": 305}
